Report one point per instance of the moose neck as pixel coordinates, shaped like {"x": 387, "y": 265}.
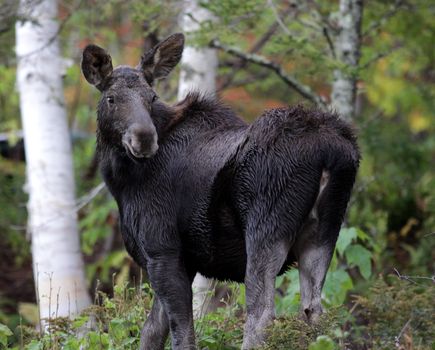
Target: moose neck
{"x": 163, "y": 116}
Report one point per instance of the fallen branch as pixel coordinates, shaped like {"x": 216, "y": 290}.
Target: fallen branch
{"x": 412, "y": 278}
{"x": 397, "y": 338}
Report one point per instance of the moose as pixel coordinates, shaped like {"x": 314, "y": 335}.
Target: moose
{"x": 199, "y": 190}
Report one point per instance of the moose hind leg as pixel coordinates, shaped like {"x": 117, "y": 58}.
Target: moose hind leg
{"x": 316, "y": 242}
{"x": 264, "y": 263}
{"x": 156, "y": 328}
{"x": 313, "y": 265}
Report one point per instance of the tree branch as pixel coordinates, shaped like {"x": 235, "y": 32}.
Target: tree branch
{"x": 396, "y": 7}
{"x": 329, "y": 41}
{"x": 240, "y": 63}
{"x": 378, "y": 56}
{"x": 278, "y": 18}
{"x": 303, "y": 90}
{"x": 323, "y": 25}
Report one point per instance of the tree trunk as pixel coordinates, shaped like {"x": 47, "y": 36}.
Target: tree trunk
{"x": 198, "y": 73}
{"x": 347, "y": 47}
{"x": 198, "y": 65}
{"x": 57, "y": 262}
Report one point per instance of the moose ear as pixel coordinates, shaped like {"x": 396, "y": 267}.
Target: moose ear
{"x": 162, "y": 58}
{"x": 96, "y": 65}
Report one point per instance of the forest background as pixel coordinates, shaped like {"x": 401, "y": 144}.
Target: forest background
{"x": 380, "y": 288}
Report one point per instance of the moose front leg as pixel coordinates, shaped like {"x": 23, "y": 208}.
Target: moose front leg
{"x": 172, "y": 286}
{"x": 156, "y": 328}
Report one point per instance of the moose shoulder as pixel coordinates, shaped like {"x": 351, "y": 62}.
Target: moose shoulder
{"x": 199, "y": 190}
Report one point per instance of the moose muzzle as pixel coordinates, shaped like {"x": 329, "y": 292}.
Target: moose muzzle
{"x": 140, "y": 141}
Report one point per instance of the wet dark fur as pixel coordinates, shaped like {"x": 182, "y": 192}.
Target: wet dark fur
{"x": 214, "y": 178}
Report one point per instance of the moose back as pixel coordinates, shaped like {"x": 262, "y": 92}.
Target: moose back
{"x": 199, "y": 190}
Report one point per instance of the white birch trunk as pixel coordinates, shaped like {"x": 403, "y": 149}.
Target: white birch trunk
{"x": 57, "y": 262}
{"x": 198, "y": 73}
{"x": 347, "y": 47}
{"x": 198, "y": 65}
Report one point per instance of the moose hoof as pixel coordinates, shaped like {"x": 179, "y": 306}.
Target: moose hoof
{"x": 310, "y": 315}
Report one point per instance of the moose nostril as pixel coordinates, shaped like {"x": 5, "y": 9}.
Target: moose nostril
{"x": 141, "y": 141}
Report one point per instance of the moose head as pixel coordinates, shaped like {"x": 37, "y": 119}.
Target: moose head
{"x": 125, "y": 107}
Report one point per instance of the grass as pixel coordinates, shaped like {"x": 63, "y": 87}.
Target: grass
{"x": 393, "y": 314}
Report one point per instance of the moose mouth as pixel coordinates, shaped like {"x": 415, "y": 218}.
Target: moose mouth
{"x": 138, "y": 157}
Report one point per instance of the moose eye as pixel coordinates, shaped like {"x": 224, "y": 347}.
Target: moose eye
{"x": 155, "y": 97}
{"x": 110, "y": 99}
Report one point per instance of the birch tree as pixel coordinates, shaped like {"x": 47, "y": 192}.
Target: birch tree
{"x": 57, "y": 263}
{"x": 198, "y": 73}
{"x": 198, "y": 65}
{"x": 341, "y": 34}
{"x": 347, "y": 48}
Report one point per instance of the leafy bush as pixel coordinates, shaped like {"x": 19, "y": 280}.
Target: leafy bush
{"x": 292, "y": 333}
{"x": 115, "y": 323}
{"x": 392, "y": 314}
{"x": 399, "y": 313}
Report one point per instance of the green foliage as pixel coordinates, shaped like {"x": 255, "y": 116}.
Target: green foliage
{"x": 337, "y": 284}
{"x": 392, "y": 308}
{"x": 376, "y": 320}
{"x": 323, "y": 342}
{"x": 395, "y": 200}
{"x": 292, "y": 333}
{"x": 220, "y": 329}
{"x": 391, "y": 314}
{"x": 9, "y": 103}
{"x": 112, "y": 323}
{"x": 13, "y": 213}
{"x": 95, "y": 224}
{"x": 5, "y": 333}
{"x": 115, "y": 323}
{"x": 357, "y": 255}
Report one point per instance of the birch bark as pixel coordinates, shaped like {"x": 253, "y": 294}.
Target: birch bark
{"x": 198, "y": 65}
{"x": 198, "y": 73}
{"x": 57, "y": 262}
{"x": 347, "y": 47}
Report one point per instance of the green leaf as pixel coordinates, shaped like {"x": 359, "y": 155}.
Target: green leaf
{"x": 34, "y": 345}
{"x": 337, "y": 284}
{"x": 97, "y": 340}
{"x": 291, "y": 301}
{"x": 118, "y": 329}
{"x": 241, "y": 299}
{"x": 5, "y": 332}
{"x": 80, "y": 321}
{"x": 362, "y": 235}
{"x": 323, "y": 342}
{"x": 345, "y": 238}
{"x": 359, "y": 256}
{"x": 71, "y": 344}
